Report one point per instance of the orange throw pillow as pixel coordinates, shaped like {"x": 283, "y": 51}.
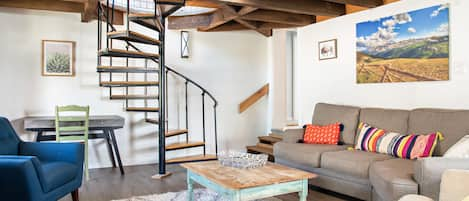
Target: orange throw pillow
{"x": 329, "y": 134}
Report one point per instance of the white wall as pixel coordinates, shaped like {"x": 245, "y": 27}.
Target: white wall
{"x": 230, "y": 65}
{"x": 333, "y": 81}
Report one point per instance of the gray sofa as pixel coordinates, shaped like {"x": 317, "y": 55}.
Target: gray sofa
{"x": 373, "y": 176}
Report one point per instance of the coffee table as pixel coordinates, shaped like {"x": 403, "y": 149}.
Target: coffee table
{"x": 247, "y": 184}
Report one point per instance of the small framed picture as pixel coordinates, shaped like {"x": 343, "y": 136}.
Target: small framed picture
{"x": 58, "y": 58}
{"x": 328, "y": 49}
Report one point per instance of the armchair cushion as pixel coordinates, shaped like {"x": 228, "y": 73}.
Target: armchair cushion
{"x": 428, "y": 172}
{"x": 50, "y": 152}
{"x": 56, "y": 174}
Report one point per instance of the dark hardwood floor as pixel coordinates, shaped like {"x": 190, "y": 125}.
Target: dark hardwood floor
{"x": 107, "y": 184}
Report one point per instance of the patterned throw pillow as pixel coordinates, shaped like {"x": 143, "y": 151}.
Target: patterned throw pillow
{"x": 412, "y": 146}
{"x": 329, "y": 134}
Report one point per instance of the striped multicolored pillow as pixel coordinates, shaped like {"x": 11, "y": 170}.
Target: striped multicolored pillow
{"x": 412, "y": 146}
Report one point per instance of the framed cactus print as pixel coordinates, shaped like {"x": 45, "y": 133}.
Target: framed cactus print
{"x": 58, "y": 58}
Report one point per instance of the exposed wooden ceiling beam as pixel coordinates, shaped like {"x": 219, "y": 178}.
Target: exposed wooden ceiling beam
{"x": 90, "y": 11}
{"x": 188, "y": 22}
{"x": 308, "y": 7}
{"x": 51, "y": 5}
{"x": 362, "y": 3}
{"x": 280, "y": 17}
{"x": 249, "y": 24}
{"x": 202, "y": 3}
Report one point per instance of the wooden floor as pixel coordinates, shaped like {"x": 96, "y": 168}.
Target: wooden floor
{"x": 107, "y": 184}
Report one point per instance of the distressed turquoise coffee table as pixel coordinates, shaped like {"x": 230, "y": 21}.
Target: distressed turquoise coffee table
{"x": 243, "y": 185}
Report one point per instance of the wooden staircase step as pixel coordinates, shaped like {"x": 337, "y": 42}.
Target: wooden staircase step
{"x": 269, "y": 139}
{"x": 276, "y": 135}
{"x": 127, "y": 53}
{"x": 171, "y": 133}
{"x": 133, "y": 37}
{"x": 266, "y": 146}
{"x": 143, "y": 109}
{"x": 183, "y": 145}
{"x": 128, "y": 83}
{"x": 124, "y": 69}
{"x": 147, "y": 20}
{"x": 133, "y": 97}
{"x": 195, "y": 158}
{"x": 262, "y": 150}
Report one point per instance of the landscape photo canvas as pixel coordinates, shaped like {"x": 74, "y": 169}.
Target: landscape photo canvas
{"x": 406, "y": 47}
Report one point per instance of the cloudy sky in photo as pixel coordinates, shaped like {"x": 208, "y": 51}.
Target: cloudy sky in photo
{"x": 432, "y": 21}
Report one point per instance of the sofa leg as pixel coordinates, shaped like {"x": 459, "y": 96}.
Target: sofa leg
{"x": 75, "y": 195}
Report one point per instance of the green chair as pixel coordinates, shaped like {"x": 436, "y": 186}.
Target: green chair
{"x": 67, "y": 126}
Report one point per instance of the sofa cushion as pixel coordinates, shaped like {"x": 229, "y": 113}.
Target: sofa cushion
{"x": 303, "y": 154}
{"x": 388, "y": 119}
{"x": 325, "y": 114}
{"x": 352, "y": 162}
{"x": 392, "y": 179}
{"x": 57, "y": 174}
{"x": 451, "y": 123}
{"x": 329, "y": 134}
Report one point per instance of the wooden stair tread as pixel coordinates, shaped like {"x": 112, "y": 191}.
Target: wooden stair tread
{"x": 260, "y": 150}
{"x": 128, "y": 83}
{"x": 270, "y": 139}
{"x": 134, "y": 37}
{"x": 147, "y": 20}
{"x": 266, "y": 146}
{"x": 143, "y": 109}
{"x": 126, "y": 53}
{"x": 125, "y": 69}
{"x": 183, "y": 145}
{"x": 194, "y": 158}
{"x": 133, "y": 97}
{"x": 176, "y": 132}
{"x": 276, "y": 136}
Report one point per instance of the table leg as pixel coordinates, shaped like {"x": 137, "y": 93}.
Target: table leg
{"x": 116, "y": 150}
{"x": 235, "y": 196}
{"x": 39, "y": 136}
{"x": 304, "y": 193}
{"x": 190, "y": 189}
{"x": 109, "y": 148}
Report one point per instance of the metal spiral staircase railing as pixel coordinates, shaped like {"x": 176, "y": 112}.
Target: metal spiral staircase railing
{"x": 155, "y": 22}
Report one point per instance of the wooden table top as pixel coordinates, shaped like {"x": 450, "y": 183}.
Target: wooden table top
{"x": 234, "y": 178}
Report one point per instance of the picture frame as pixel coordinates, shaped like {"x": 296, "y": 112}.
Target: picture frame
{"x": 327, "y": 49}
{"x": 185, "y": 44}
{"x": 58, "y": 58}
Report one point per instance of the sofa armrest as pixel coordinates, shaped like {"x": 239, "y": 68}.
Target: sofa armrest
{"x": 428, "y": 173}
{"x": 292, "y": 135}
{"x": 65, "y": 152}
{"x": 20, "y": 179}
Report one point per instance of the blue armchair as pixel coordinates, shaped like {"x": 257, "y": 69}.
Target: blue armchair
{"x": 38, "y": 171}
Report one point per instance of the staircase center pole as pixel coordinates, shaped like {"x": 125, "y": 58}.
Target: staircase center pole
{"x": 162, "y": 104}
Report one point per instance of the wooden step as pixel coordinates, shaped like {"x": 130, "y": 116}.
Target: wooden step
{"x": 269, "y": 139}
{"x": 143, "y": 109}
{"x": 147, "y": 20}
{"x": 128, "y": 83}
{"x": 266, "y": 146}
{"x": 171, "y": 133}
{"x": 188, "y": 159}
{"x": 256, "y": 149}
{"x": 276, "y": 135}
{"x": 127, "y": 53}
{"x": 133, "y": 36}
{"x": 133, "y": 97}
{"x": 125, "y": 69}
{"x": 183, "y": 145}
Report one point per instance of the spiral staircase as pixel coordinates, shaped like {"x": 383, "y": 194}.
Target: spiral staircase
{"x": 147, "y": 80}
